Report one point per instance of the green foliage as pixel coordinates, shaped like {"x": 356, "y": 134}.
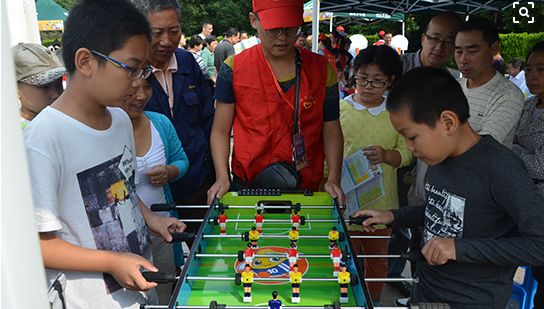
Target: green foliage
{"x": 517, "y": 45}
{"x": 222, "y": 14}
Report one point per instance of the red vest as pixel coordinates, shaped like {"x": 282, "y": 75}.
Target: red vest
{"x": 263, "y": 122}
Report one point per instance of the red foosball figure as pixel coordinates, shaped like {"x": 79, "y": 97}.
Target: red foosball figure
{"x": 295, "y": 219}
{"x": 249, "y": 253}
{"x": 336, "y": 256}
{"x": 222, "y": 218}
{"x": 292, "y": 255}
{"x": 259, "y": 219}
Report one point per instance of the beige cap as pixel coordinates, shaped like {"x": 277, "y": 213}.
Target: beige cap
{"x": 35, "y": 64}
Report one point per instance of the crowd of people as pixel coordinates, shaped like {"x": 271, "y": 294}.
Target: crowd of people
{"x": 148, "y": 118}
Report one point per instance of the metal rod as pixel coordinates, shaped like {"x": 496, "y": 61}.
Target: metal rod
{"x": 256, "y": 307}
{"x": 302, "y": 255}
{"x": 265, "y": 220}
{"x": 300, "y": 237}
{"x": 201, "y": 278}
{"x": 257, "y": 206}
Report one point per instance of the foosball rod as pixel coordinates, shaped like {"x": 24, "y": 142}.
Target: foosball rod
{"x": 162, "y": 277}
{"x": 265, "y": 220}
{"x": 300, "y": 256}
{"x": 300, "y": 237}
{"x": 166, "y": 207}
{"x": 419, "y": 306}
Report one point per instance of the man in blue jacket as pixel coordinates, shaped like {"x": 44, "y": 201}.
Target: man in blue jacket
{"x": 180, "y": 92}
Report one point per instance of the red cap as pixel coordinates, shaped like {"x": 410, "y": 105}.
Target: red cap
{"x": 279, "y": 13}
{"x": 381, "y": 33}
{"x": 340, "y": 28}
{"x": 322, "y": 37}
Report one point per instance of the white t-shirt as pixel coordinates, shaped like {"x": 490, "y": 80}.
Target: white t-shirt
{"x": 495, "y": 108}
{"x": 148, "y": 193}
{"x": 83, "y": 188}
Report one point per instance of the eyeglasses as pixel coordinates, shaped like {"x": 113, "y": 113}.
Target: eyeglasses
{"x": 133, "y": 73}
{"x": 363, "y": 82}
{"x": 436, "y": 40}
{"x": 290, "y": 32}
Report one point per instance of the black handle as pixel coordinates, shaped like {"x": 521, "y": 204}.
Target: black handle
{"x": 358, "y": 220}
{"x": 163, "y": 207}
{"x": 159, "y": 277}
{"x": 184, "y": 236}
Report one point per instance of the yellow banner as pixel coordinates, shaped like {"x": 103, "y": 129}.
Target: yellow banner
{"x": 51, "y": 25}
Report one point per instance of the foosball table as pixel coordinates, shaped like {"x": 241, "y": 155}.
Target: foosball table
{"x": 262, "y": 248}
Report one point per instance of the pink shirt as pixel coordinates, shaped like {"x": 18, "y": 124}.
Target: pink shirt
{"x": 165, "y": 80}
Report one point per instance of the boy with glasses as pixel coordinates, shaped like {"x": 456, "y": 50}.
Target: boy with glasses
{"x": 82, "y": 161}
{"x": 255, "y": 95}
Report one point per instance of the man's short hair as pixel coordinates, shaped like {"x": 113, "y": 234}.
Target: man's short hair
{"x": 204, "y": 24}
{"x": 231, "y": 32}
{"x": 489, "y": 32}
{"x": 452, "y": 19}
{"x": 148, "y": 6}
{"x": 101, "y": 25}
{"x": 516, "y": 63}
{"x": 426, "y": 92}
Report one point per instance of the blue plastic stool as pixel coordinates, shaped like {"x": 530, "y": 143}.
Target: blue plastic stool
{"x": 523, "y": 292}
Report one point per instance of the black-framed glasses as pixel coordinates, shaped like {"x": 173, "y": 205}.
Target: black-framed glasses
{"x": 290, "y": 32}
{"x": 447, "y": 42}
{"x": 133, "y": 73}
{"x": 363, "y": 82}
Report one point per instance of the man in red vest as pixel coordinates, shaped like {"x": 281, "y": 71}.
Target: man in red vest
{"x": 255, "y": 98}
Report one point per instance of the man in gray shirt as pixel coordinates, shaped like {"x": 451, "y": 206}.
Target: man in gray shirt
{"x": 226, "y": 47}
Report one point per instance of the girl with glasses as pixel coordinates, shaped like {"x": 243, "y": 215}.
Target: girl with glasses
{"x": 367, "y": 128}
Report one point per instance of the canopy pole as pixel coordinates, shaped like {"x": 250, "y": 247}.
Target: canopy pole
{"x": 315, "y": 24}
{"x": 403, "y": 26}
{"x": 331, "y": 23}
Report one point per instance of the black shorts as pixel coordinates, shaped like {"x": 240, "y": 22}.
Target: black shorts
{"x": 248, "y": 285}
{"x": 344, "y": 285}
{"x": 295, "y": 285}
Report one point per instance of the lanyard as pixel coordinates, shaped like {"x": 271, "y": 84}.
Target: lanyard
{"x": 295, "y": 106}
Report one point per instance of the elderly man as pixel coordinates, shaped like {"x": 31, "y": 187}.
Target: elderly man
{"x": 181, "y": 93}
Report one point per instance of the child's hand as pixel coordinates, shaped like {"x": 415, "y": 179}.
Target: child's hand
{"x": 125, "y": 268}
{"x": 376, "y": 217}
{"x": 159, "y": 175}
{"x": 164, "y": 226}
{"x": 438, "y": 251}
{"x": 375, "y": 154}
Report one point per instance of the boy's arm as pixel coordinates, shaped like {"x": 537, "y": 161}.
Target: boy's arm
{"x": 123, "y": 266}
{"x": 518, "y": 198}
{"x": 409, "y": 216}
{"x": 333, "y": 143}
{"x": 158, "y": 225}
{"x": 220, "y": 146}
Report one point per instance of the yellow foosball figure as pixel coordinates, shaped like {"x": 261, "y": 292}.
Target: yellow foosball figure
{"x": 295, "y": 277}
{"x": 344, "y": 278}
{"x": 333, "y": 237}
{"x": 254, "y": 237}
{"x": 247, "y": 279}
{"x": 293, "y": 236}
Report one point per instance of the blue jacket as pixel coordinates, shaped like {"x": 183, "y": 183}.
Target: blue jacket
{"x": 193, "y": 116}
{"x": 174, "y": 156}
{"x": 172, "y": 148}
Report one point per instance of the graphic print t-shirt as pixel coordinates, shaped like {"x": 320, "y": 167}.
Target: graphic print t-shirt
{"x": 84, "y": 192}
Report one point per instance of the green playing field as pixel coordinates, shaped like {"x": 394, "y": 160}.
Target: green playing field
{"x": 312, "y": 293}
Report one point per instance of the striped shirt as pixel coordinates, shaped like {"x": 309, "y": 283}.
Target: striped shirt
{"x": 495, "y": 108}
